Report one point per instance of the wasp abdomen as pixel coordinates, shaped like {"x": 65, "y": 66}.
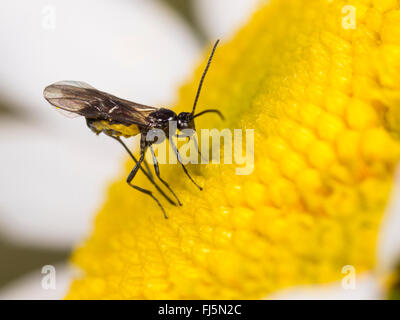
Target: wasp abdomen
{"x": 113, "y": 129}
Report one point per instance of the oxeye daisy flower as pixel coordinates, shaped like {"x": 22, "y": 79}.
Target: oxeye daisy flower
{"x": 319, "y": 83}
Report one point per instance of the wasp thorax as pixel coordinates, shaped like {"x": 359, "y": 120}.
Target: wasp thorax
{"x": 161, "y": 118}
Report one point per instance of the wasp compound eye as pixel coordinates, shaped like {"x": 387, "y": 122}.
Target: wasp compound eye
{"x": 185, "y": 120}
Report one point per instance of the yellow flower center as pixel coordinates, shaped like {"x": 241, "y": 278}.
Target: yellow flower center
{"x": 320, "y": 85}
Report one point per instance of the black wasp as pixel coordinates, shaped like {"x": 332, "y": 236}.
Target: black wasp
{"x": 118, "y": 117}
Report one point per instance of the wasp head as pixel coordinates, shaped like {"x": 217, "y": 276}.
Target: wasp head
{"x": 185, "y": 121}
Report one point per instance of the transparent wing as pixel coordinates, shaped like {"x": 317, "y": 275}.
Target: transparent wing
{"x": 78, "y": 84}
{"x": 82, "y": 99}
{"x": 67, "y": 114}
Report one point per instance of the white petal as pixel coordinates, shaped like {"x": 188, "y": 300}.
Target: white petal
{"x": 366, "y": 288}
{"x": 222, "y": 18}
{"x": 29, "y": 286}
{"x": 389, "y": 235}
{"x": 51, "y": 187}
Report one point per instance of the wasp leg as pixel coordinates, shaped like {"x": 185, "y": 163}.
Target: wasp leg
{"x": 146, "y": 164}
{"x": 157, "y": 170}
{"x": 148, "y": 175}
{"x": 178, "y": 156}
{"x": 148, "y": 192}
{"x": 196, "y": 145}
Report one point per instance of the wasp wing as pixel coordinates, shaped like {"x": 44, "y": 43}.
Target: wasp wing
{"x": 84, "y": 100}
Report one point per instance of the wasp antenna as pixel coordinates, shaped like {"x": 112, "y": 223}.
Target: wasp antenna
{"x": 203, "y": 76}
{"x": 210, "y": 110}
